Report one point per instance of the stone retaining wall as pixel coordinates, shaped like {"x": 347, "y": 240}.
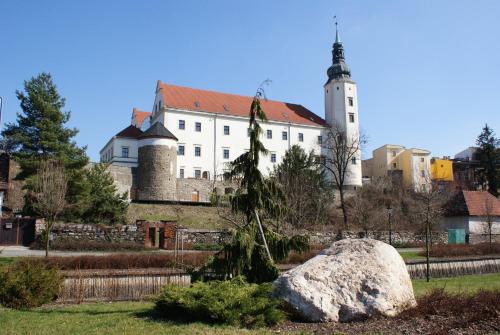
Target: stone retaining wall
{"x": 98, "y": 233}
{"x": 402, "y": 238}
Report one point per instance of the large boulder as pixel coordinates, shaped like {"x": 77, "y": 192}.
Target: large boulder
{"x": 353, "y": 279}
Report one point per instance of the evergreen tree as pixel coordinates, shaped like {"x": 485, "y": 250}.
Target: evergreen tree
{"x": 255, "y": 242}
{"x": 105, "y": 205}
{"x": 39, "y": 134}
{"x": 488, "y": 155}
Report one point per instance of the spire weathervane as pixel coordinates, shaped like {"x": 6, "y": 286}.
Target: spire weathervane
{"x": 337, "y": 37}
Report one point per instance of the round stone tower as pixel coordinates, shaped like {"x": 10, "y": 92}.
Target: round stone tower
{"x": 157, "y": 170}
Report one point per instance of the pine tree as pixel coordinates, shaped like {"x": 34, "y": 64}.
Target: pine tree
{"x": 105, "y": 205}
{"x": 255, "y": 244}
{"x": 488, "y": 155}
{"x": 39, "y": 134}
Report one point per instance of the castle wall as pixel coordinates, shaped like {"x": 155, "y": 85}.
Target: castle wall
{"x": 156, "y": 174}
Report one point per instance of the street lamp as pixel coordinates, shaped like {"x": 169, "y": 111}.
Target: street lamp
{"x": 389, "y": 212}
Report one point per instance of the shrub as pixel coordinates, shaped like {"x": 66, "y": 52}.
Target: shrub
{"x": 479, "y": 306}
{"x": 207, "y": 246}
{"x": 28, "y": 284}
{"x": 125, "y": 261}
{"x": 233, "y": 302}
{"x": 454, "y": 250}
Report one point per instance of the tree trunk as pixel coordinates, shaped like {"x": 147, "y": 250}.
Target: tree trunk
{"x": 427, "y": 253}
{"x": 263, "y": 236}
{"x": 342, "y": 205}
{"x": 47, "y": 238}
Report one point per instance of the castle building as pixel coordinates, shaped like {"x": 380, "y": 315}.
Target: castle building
{"x": 192, "y": 134}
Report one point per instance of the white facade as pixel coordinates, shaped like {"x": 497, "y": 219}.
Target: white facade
{"x": 222, "y": 138}
{"x": 120, "y": 151}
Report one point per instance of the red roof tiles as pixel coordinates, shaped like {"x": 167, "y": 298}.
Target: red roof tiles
{"x": 139, "y": 117}
{"x": 473, "y": 203}
{"x": 231, "y": 104}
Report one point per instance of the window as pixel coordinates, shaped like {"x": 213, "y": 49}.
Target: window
{"x": 422, "y": 159}
{"x": 320, "y": 139}
{"x": 394, "y": 165}
{"x": 273, "y": 158}
{"x": 351, "y": 101}
{"x": 226, "y": 130}
{"x": 197, "y": 126}
{"x": 181, "y": 173}
{"x": 351, "y": 117}
{"x": 301, "y": 137}
{"x": 422, "y": 173}
{"x": 197, "y": 151}
{"x": 180, "y": 150}
{"x": 269, "y": 134}
{"x": 182, "y": 124}
{"x": 353, "y": 161}
{"x": 284, "y": 136}
{"x": 197, "y": 173}
{"x": 125, "y": 152}
{"x": 225, "y": 153}
{"x": 393, "y": 153}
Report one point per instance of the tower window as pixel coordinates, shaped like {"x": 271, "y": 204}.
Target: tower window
{"x": 273, "y": 158}
{"x": 226, "y": 130}
{"x": 180, "y": 150}
{"x": 225, "y": 153}
{"x": 351, "y": 117}
{"x": 338, "y": 88}
{"x": 301, "y": 137}
{"x": 181, "y": 173}
{"x": 197, "y": 126}
{"x": 269, "y": 134}
{"x": 354, "y": 161}
{"x": 422, "y": 173}
{"x": 320, "y": 139}
{"x": 393, "y": 153}
{"x": 182, "y": 124}
{"x": 197, "y": 151}
{"x": 284, "y": 136}
{"x": 351, "y": 101}
{"x": 394, "y": 165}
{"x": 125, "y": 152}
{"x": 422, "y": 159}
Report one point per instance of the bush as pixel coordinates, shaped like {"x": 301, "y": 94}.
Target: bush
{"x": 207, "y": 246}
{"x": 233, "y": 302}
{"x": 125, "y": 261}
{"x": 28, "y": 284}
{"x": 454, "y": 250}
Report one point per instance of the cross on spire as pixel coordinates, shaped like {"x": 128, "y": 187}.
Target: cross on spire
{"x": 337, "y": 36}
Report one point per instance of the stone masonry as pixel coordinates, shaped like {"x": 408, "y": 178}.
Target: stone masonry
{"x": 157, "y": 178}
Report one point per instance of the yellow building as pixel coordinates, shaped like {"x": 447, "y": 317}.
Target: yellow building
{"x": 410, "y": 166}
{"x": 441, "y": 169}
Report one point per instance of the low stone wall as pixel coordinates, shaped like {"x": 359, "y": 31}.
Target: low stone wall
{"x": 189, "y": 188}
{"x": 98, "y": 233}
{"x": 206, "y": 236}
{"x": 398, "y": 237}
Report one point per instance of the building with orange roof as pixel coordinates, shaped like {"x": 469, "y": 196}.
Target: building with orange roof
{"x": 211, "y": 128}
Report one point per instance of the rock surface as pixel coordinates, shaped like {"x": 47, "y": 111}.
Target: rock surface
{"x": 353, "y": 279}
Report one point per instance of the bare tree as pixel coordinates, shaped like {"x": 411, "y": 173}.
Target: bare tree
{"x": 341, "y": 152}
{"x": 428, "y": 209}
{"x": 50, "y": 193}
{"x": 488, "y": 217}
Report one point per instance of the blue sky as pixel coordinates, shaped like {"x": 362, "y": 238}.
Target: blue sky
{"x": 428, "y": 72}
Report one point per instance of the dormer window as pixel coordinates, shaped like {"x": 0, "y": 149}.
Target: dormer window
{"x": 196, "y": 104}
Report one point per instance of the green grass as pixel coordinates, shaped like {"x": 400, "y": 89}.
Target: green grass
{"x": 121, "y": 318}
{"x": 411, "y": 255}
{"x": 124, "y": 318}
{"x": 6, "y": 260}
{"x": 466, "y": 284}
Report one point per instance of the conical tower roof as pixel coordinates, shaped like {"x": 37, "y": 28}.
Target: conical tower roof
{"x": 157, "y": 130}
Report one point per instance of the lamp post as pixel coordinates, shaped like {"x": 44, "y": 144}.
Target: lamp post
{"x": 389, "y": 212}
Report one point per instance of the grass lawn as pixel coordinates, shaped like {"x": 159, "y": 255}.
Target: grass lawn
{"x": 6, "y": 261}
{"x": 466, "y": 284}
{"x": 121, "y": 318}
{"x": 411, "y": 255}
{"x": 125, "y": 318}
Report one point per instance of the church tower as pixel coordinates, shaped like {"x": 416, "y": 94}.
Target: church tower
{"x": 341, "y": 107}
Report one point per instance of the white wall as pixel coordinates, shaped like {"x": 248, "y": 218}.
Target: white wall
{"x": 112, "y": 152}
{"x": 212, "y": 138}
{"x": 479, "y": 225}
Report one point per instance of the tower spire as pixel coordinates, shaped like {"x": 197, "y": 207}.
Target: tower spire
{"x": 339, "y": 68}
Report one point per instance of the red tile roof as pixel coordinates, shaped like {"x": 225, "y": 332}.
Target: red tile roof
{"x": 130, "y": 132}
{"x": 139, "y": 116}
{"x": 473, "y": 203}
{"x": 231, "y": 104}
